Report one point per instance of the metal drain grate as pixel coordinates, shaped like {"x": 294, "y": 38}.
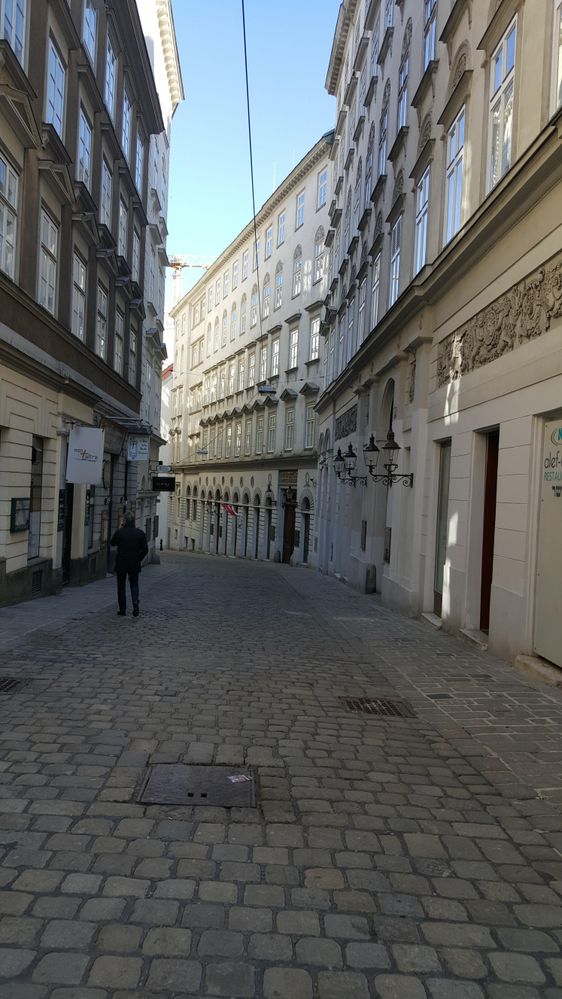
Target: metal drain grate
{"x": 10, "y": 683}
{"x": 379, "y": 706}
{"x": 178, "y": 784}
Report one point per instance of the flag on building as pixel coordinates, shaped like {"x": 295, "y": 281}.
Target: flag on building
{"x": 230, "y": 509}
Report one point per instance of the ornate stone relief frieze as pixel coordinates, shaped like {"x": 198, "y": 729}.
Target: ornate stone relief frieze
{"x": 521, "y": 314}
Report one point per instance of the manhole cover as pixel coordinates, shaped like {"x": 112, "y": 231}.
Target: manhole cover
{"x": 178, "y": 784}
{"x": 10, "y": 683}
{"x": 379, "y": 706}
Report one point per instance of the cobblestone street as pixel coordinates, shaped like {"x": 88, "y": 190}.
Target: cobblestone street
{"x": 391, "y": 857}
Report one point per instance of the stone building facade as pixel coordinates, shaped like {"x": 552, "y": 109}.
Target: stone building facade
{"x": 443, "y": 323}
{"x": 78, "y": 107}
{"x": 247, "y": 374}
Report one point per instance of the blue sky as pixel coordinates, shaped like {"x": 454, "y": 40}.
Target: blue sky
{"x": 289, "y": 45}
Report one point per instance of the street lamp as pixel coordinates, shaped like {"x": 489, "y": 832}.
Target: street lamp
{"x": 390, "y": 475}
{"x": 345, "y": 465}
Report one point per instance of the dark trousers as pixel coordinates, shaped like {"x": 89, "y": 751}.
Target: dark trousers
{"x": 133, "y": 575}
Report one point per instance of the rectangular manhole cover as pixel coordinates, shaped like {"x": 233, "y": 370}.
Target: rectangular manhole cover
{"x": 379, "y": 706}
{"x": 179, "y": 784}
{"x": 8, "y": 684}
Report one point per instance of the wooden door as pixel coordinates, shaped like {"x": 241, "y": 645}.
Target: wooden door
{"x": 490, "y": 491}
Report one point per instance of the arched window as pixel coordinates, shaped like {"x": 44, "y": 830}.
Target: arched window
{"x": 266, "y": 296}
{"x": 297, "y": 271}
{"x": 216, "y": 335}
{"x": 347, "y": 220}
{"x": 188, "y": 503}
{"x": 243, "y": 314}
{"x": 357, "y": 195}
{"x": 278, "y": 301}
{"x": 194, "y": 505}
{"x": 224, "y": 329}
{"x": 209, "y": 339}
{"x": 254, "y": 306}
{"x": 369, "y": 166}
{"x": 319, "y": 255}
{"x": 233, "y": 322}
{"x": 383, "y": 131}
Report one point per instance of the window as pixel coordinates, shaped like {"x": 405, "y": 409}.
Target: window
{"x": 118, "y": 345}
{"x": 254, "y": 306}
{"x": 241, "y": 374}
{"x": 278, "y": 300}
{"x": 299, "y": 215}
{"x": 429, "y": 31}
{"x": 271, "y": 432}
{"x": 216, "y": 335}
{"x": 341, "y": 341}
{"x": 350, "y": 330}
{"x": 289, "y": 428}
{"x": 256, "y": 259}
{"x": 110, "y": 78}
{"x": 225, "y": 284}
{"x": 132, "y": 356}
{"x": 297, "y": 272}
{"x": 557, "y": 61}
{"x": 228, "y": 442}
{"x": 422, "y": 208}
{"x": 248, "y": 437}
{"x": 78, "y": 296}
{"x": 106, "y": 193}
{"x": 318, "y": 256}
{"x": 220, "y": 434}
{"x": 293, "y": 347}
{"x": 263, "y": 363}
{"x": 55, "y": 88}
{"x": 89, "y": 29}
{"x": 245, "y": 259}
{"x": 275, "y": 357}
{"x": 13, "y": 28}
{"x": 222, "y": 383}
{"x": 322, "y": 188}
{"x": 123, "y": 228}
{"x": 383, "y": 135}
{"x": 8, "y": 217}
{"x": 375, "y": 290}
{"x": 369, "y": 167}
{"x": 266, "y": 296}
{"x": 361, "y": 312}
{"x": 233, "y": 321}
{"x": 101, "y": 322}
{"x": 235, "y": 269}
{"x": 501, "y": 105}
{"x": 269, "y": 239}
{"x": 217, "y": 291}
{"x": 395, "y": 260}
{"x": 259, "y": 434}
{"x": 126, "y": 124}
{"x": 48, "y": 262}
{"x": 314, "y": 339}
{"x": 231, "y": 377}
{"x": 136, "y": 255}
{"x": 357, "y": 197}
{"x": 139, "y": 163}
{"x": 310, "y": 426}
{"x": 403, "y": 94}
{"x": 251, "y": 370}
{"x": 388, "y": 14}
{"x": 347, "y": 220}
{"x": 243, "y": 314}
{"x": 210, "y": 299}
{"x": 238, "y": 439}
{"x": 454, "y": 176}
{"x": 280, "y": 228}
{"x": 224, "y": 329}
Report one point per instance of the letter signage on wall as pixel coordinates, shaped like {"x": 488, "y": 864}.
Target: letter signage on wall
{"x": 85, "y": 456}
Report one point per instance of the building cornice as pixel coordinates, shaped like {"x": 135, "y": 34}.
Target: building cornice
{"x": 341, "y": 34}
{"x": 170, "y": 50}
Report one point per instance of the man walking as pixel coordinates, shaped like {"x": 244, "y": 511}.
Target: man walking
{"x": 132, "y": 547}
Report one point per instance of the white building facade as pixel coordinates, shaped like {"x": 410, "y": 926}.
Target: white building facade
{"x": 443, "y": 326}
{"x": 247, "y": 374}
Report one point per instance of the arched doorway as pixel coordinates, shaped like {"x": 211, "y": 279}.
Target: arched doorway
{"x": 305, "y": 517}
{"x": 235, "y": 531}
{"x": 256, "y": 540}
{"x": 289, "y": 520}
{"x": 268, "y": 526}
{"x": 245, "y": 524}
{"x": 217, "y": 523}
{"x": 225, "y": 520}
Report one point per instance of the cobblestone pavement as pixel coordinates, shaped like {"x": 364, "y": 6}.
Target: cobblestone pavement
{"x": 399, "y": 858}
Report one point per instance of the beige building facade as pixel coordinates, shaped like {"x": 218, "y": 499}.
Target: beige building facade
{"x": 247, "y": 374}
{"x": 443, "y": 326}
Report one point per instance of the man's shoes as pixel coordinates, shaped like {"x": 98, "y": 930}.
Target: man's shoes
{"x": 121, "y": 613}
{"x": 136, "y": 610}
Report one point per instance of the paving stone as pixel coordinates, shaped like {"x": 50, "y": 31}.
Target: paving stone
{"x": 270, "y": 947}
{"x": 61, "y": 968}
{"x": 448, "y": 988}
{"x": 220, "y": 943}
{"x": 175, "y": 975}
{"x": 463, "y": 962}
{"x": 367, "y": 955}
{"x": 411, "y": 957}
{"x": 399, "y": 987}
{"x": 511, "y": 967}
{"x": 155, "y": 912}
{"x": 298, "y": 923}
{"x": 527, "y": 940}
{"x": 203, "y": 914}
{"x": 81, "y": 884}
{"x": 322, "y": 952}
{"x": 116, "y": 972}
{"x": 14, "y": 962}
{"x": 287, "y": 983}
{"x": 334, "y": 985}
{"x": 61, "y": 934}
{"x": 448, "y": 935}
{"x": 130, "y": 887}
{"x": 217, "y": 891}
{"x": 166, "y": 941}
{"x": 102, "y": 909}
{"x": 231, "y": 979}
{"x": 117, "y": 937}
{"x": 347, "y": 927}
{"x": 250, "y": 920}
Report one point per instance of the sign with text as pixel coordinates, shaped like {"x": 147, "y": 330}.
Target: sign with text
{"x": 84, "y": 463}
{"x": 288, "y": 478}
{"x": 163, "y": 484}
{"x": 139, "y": 449}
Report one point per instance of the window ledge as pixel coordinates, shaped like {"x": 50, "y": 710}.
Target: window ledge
{"x": 425, "y": 84}
{"x": 385, "y": 45}
{"x": 398, "y": 144}
{"x": 371, "y": 90}
{"x": 379, "y": 187}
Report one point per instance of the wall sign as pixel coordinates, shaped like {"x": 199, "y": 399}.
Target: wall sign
{"x": 138, "y": 448}
{"x": 346, "y": 424}
{"x": 85, "y": 456}
{"x": 163, "y": 484}
{"x": 288, "y": 478}
{"x": 20, "y": 509}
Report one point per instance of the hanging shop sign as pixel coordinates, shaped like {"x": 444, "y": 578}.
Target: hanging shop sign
{"x": 85, "y": 456}
{"x": 163, "y": 484}
{"x": 138, "y": 449}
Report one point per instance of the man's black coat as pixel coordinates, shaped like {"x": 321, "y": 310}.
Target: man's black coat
{"x": 131, "y": 547}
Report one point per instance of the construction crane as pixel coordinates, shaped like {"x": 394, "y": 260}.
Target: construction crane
{"x": 178, "y": 263}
